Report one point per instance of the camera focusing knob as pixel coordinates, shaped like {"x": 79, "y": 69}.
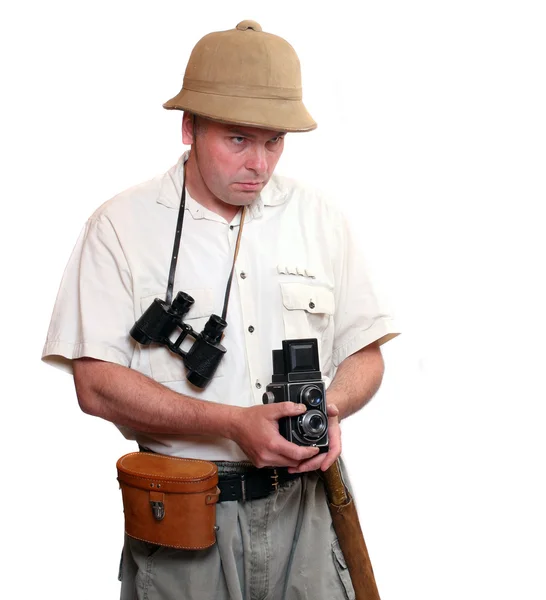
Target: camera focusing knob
{"x": 268, "y": 398}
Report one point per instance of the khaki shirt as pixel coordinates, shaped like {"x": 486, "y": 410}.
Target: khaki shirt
{"x": 298, "y": 275}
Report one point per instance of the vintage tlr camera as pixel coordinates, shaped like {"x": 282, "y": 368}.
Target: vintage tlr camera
{"x": 297, "y": 378}
{"x": 162, "y": 319}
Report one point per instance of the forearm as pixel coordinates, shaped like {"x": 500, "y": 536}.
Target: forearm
{"x": 356, "y": 381}
{"x": 126, "y": 397}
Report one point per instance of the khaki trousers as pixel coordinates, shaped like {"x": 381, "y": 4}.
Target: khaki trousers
{"x": 282, "y": 547}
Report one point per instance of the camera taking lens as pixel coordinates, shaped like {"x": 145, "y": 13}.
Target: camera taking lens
{"x": 312, "y": 424}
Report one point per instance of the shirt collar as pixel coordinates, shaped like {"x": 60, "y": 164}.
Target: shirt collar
{"x": 171, "y": 191}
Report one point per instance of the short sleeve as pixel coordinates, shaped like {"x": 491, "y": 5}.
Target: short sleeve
{"x": 361, "y": 315}
{"x": 94, "y": 309}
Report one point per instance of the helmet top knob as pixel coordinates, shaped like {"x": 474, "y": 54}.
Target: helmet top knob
{"x": 244, "y": 25}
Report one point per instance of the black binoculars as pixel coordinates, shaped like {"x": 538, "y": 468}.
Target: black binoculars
{"x": 157, "y": 324}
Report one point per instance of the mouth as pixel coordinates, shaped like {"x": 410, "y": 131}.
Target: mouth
{"x": 250, "y": 186}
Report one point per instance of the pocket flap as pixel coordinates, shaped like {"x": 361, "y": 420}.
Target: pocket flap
{"x": 336, "y": 549}
{"x": 311, "y": 298}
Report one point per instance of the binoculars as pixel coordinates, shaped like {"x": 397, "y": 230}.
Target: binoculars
{"x": 159, "y": 321}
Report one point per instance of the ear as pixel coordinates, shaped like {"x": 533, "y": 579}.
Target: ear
{"x": 187, "y": 129}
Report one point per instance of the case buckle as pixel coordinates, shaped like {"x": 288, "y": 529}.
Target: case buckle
{"x": 158, "y": 510}
{"x": 157, "y": 505}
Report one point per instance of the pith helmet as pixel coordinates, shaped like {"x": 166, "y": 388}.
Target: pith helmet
{"x": 247, "y": 77}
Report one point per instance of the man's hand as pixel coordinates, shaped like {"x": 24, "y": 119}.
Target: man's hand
{"x": 256, "y": 431}
{"x": 324, "y": 461}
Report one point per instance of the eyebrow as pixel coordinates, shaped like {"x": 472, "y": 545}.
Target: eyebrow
{"x": 236, "y": 130}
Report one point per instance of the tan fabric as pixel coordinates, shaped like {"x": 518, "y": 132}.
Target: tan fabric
{"x": 245, "y": 76}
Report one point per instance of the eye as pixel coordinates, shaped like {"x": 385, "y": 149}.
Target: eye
{"x": 238, "y": 140}
{"x": 276, "y": 140}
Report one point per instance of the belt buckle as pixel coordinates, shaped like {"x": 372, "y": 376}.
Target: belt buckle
{"x": 275, "y": 477}
{"x": 243, "y": 487}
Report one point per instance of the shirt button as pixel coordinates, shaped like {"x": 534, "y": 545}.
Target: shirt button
{"x": 311, "y": 304}
{"x": 258, "y": 385}
{"x": 243, "y": 275}
{"x": 231, "y": 227}
{"x": 251, "y": 329}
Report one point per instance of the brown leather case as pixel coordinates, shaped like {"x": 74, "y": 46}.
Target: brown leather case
{"x": 169, "y": 501}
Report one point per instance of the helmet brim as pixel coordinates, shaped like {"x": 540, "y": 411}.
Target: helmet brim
{"x": 266, "y": 113}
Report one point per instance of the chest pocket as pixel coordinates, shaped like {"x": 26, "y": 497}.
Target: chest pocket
{"x": 166, "y": 366}
{"x": 307, "y": 310}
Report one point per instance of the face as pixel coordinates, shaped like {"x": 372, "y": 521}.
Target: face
{"x": 235, "y": 162}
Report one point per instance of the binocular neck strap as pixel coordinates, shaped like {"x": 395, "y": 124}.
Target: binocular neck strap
{"x": 176, "y": 247}
{"x": 238, "y": 243}
{"x": 176, "y": 250}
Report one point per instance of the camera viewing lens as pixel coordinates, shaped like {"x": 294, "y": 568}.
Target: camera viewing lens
{"x": 311, "y": 395}
{"x": 313, "y": 424}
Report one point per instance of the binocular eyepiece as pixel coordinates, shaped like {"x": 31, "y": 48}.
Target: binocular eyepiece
{"x": 159, "y": 321}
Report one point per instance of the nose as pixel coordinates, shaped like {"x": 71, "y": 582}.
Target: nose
{"x": 256, "y": 159}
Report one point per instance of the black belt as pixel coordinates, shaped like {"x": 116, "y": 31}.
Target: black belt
{"x": 254, "y": 484}
{"x": 251, "y": 484}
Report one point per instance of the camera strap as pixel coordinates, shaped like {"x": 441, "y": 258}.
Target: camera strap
{"x": 176, "y": 250}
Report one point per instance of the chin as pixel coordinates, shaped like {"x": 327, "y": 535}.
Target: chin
{"x": 242, "y": 200}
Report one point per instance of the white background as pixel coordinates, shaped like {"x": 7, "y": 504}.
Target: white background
{"x": 432, "y": 134}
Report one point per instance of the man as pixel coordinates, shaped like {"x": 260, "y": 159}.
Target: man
{"x": 297, "y": 275}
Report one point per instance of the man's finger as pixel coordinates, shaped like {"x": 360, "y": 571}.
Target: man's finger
{"x": 335, "y": 444}
{"x": 309, "y": 465}
{"x": 332, "y": 410}
{"x": 295, "y": 452}
{"x": 288, "y": 409}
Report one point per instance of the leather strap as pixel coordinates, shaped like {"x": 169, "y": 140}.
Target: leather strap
{"x": 237, "y": 244}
